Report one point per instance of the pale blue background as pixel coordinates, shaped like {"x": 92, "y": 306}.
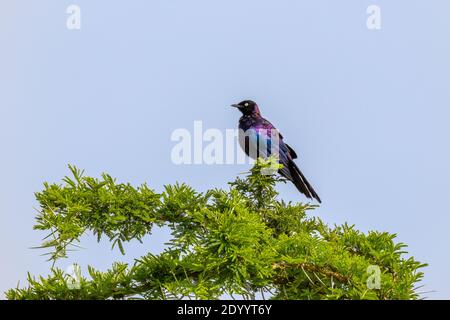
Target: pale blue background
{"x": 367, "y": 111}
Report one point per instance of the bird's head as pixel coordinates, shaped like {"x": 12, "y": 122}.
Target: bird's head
{"x": 247, "y": 107}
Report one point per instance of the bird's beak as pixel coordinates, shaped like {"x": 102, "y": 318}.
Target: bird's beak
{"x": 235, "y": 105}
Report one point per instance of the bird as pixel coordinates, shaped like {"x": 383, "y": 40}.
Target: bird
{"x": 259, "y": 138}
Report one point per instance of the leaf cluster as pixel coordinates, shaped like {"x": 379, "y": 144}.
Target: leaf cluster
{"x": 242, "y": 242}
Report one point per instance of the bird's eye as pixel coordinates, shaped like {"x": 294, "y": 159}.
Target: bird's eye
{"x": 246, "y": 104}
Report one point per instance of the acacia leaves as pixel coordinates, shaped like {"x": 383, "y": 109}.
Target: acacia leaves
{"x": 242, "y": 241}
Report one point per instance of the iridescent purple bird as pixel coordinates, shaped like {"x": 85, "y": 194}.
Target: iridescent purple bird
{"x": 259, "y": 138}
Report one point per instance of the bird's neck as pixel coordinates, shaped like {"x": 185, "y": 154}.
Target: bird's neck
{"x": 256, "y": 112}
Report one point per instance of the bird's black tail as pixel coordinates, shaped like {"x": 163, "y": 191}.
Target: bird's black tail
{"x": 301, "y": 183}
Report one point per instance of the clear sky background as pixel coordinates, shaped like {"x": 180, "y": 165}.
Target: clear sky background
{"x": 367, "y": 111}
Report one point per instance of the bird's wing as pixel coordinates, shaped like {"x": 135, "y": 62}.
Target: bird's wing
{"x": 262, "y": 139}
{"x": 266, "y": 123}
{"x": 291, "y": 172}
{"x": 258, "y": 142}
{"x": 285, "y": 158}
{"x": 291, "y": 151}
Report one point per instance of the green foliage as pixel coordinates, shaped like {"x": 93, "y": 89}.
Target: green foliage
{"x": 242, "y": 241}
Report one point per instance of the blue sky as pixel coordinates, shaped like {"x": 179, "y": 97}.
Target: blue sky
{"x": 367, "y": 111}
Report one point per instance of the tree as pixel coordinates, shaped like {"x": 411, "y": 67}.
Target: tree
{"x": 239, "y": 242}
